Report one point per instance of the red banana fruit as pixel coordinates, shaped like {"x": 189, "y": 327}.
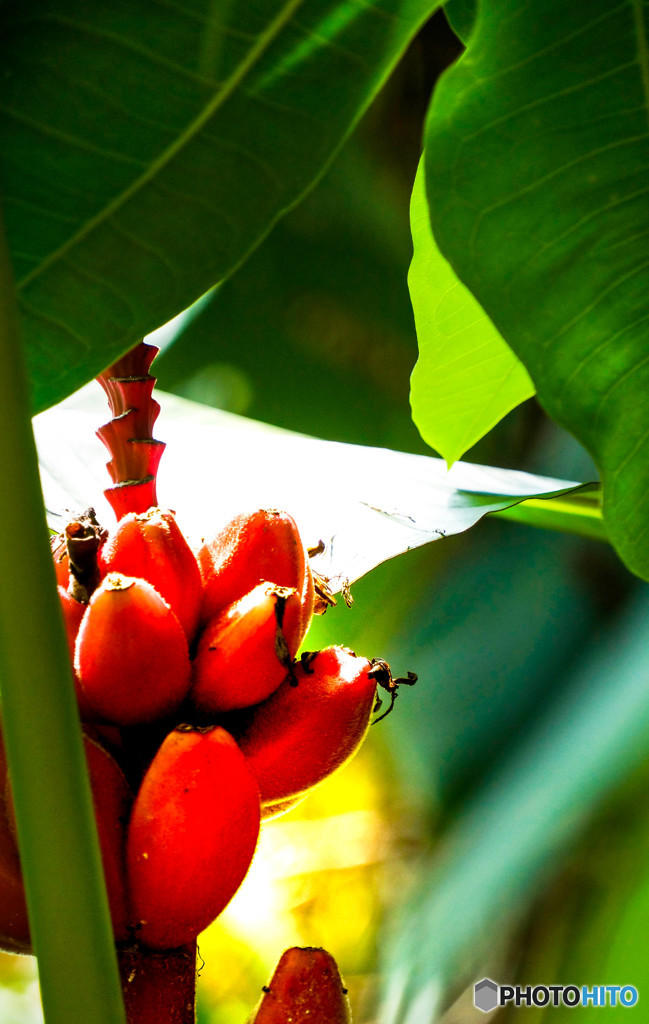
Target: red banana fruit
{"x": 73, "y": 612}
{"x": 306, "y": 988}
{"x": 151, "y": 547}
{"x": 311, "y": 726}
{"x": 14, "y": 925}
{"x": 261, "y": 545}
{"x": 131, "y": 659}
{"x": 112, "y": 799}
{"x": 247, "y": 650}
{"x": 192, "y": 835}
{"x": 61, "y": 560}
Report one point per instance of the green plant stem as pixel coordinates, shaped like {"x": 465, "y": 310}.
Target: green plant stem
{"x": 66, "y": 895}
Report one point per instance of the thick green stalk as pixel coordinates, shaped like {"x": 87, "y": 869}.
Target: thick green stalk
{"x": 66, "y": 896}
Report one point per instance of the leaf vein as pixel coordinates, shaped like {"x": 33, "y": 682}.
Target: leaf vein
{"x": 626, "y": 240}
{"x": 593, "y": 305}
{"x": 55, "y": 322}
{"x": 593, "y": 214}
{"x": 597, "y": 351}
{"x": 28, "y": 257}
{"x": 550, "y": 98}
{"x": 643, "y": 49}
{"x": 129, "y": 46}
{"x": 642, "y": 361}
{"x": 70, "y": 140}
{"x": 233, "y": 147}
{"x": 480, "y": 414}
{"x": 632, "y": 453}
{"x": 558, "y": 44}
{"x": 185, "y": 12}
{"x": 283, "y": 108}
{"x": 310, "y": 33}
{"x": 194, "y": 199}
{"x": 136, "y": 240}
{"x": 102, "y": 283}
{"x": 40, "y": 175}
{"x": 534, "y": 185}
{"x": 82, "y": 85}
{"x": 43, "y": 211}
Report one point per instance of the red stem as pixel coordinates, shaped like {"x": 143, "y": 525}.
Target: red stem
{"x": 159, "y": 988}
{"x": 135, "y": 454}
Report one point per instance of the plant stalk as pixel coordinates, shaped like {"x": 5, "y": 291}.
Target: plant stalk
{"x": 66, "y": 895}
{"x": 159, "y": 988}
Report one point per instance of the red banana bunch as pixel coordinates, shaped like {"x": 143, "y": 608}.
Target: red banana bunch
{"x": 198, "y": 719}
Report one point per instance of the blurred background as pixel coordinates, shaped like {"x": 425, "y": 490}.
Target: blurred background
{"x": 315, "y": 334}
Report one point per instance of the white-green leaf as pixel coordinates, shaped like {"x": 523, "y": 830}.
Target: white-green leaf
{"x": 365, "y": 504}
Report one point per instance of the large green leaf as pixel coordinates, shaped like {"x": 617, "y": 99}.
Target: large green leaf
{"x": 466, "y": 378}
{"x": 144, "y": 151}
{"x": 365, "y": 504}
{"x": 538, "y": 150}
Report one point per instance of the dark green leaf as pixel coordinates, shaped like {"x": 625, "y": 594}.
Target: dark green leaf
{"x": 461, "y": 16}
{"x": 537, "y": 159}
{"x": 145, "y": 152}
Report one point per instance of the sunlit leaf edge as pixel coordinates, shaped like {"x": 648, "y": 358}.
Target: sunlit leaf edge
{"x": 455, "y": 364}
{"x": 366, "y": 504}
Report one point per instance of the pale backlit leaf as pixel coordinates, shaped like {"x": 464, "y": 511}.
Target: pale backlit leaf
{"x": 365, "y": 504}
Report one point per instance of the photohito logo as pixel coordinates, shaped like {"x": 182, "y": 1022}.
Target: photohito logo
{"x": 488, "y": 994}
